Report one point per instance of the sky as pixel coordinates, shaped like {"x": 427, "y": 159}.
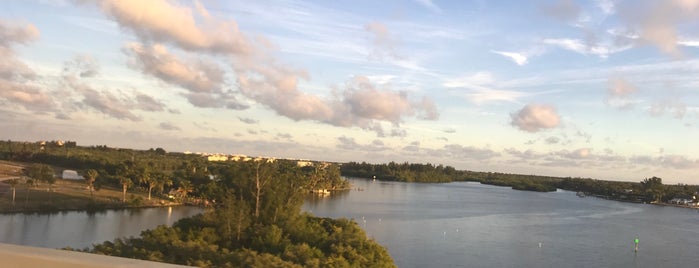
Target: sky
{"x": 605, "y": 89}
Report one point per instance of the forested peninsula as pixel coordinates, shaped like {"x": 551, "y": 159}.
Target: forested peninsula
{"x": 252, "y": 215}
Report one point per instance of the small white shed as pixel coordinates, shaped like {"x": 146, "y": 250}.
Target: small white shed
{"x": 71, "y": 175}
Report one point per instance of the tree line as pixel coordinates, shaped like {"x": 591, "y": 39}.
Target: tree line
{"x": 648, "y": 190}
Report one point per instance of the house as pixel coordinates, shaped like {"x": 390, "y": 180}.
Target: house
{"x": 682, "y": 201}
{"x": 71, "y": 175}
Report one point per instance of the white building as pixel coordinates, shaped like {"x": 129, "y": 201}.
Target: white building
{"x": 71, "y": 175}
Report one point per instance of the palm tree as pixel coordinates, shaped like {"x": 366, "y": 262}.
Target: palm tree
{"x": 161, "y": 180}
{"x": 13, "y": 184}
{"x": 125, "y": 183}
{"x": 149, "y": 180}
{"x": 90, "y": 177}
{"x": 185, "y": 188}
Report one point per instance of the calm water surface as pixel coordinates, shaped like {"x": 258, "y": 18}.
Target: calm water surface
{"x": 472, "y": 225}
{"x": 79, "y": 229}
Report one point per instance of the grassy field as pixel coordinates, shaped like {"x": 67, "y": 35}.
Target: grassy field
{"x": 67, "y": 195}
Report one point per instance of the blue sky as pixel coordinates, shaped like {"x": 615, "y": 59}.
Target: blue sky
{"x": 603, "y": 89}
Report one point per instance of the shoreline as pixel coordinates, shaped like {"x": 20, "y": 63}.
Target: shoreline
{"x": 101, "y": 209}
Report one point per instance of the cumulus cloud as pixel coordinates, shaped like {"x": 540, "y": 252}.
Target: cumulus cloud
{"x": 535, "y": 117}
{"x": 16, "y": 78}
{"x": 260, "y": 77}
{"x": 165, "y": 21}
{"x": 277, "y": 88}
{"x": 108, "y": 104}
{"x": 113, "y": 103}
{"x": 204, "y": 80}
{"x": 364, "y": 100}
{"x": 360, "y": 104}
{"x": 13, "y": 33}
{"x": 30, "y": 97}
{"x": 156, "y": 60}
{"x": 656, "y": 22}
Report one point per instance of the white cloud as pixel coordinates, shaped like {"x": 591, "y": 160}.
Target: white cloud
{"x": 473, "y": 80}
{"x": 577, "y": 45}
{"x": 535, "y": 117}
{"x": 480, "y": 96}
{"x": 480, "y": 88}
{"x": 17, "y": 80}
{"x": 156, "y": 60}
{"x": 164, "y": 21}
{"x": 519, "y": 58}
{"x": 657, "y": 22}
{"x": 260, "y": 76}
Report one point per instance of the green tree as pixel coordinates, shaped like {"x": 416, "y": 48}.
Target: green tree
{"x": 654, "y": 186}
{"x": 149, "y": 180}
{"x": 184, "y": 189}
{"x": 161, "y": 180}
{"x": 42, "y": 172}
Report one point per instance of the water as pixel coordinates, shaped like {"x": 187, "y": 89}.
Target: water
{"x": 79, "y": 229}
{"x": 472, "y": 225}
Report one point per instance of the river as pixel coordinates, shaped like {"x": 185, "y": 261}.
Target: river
{"x": 465, "y": 224}
{"x": 79, "y": 229}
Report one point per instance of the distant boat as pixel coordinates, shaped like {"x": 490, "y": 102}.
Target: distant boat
{"x": 580, "y": 194}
